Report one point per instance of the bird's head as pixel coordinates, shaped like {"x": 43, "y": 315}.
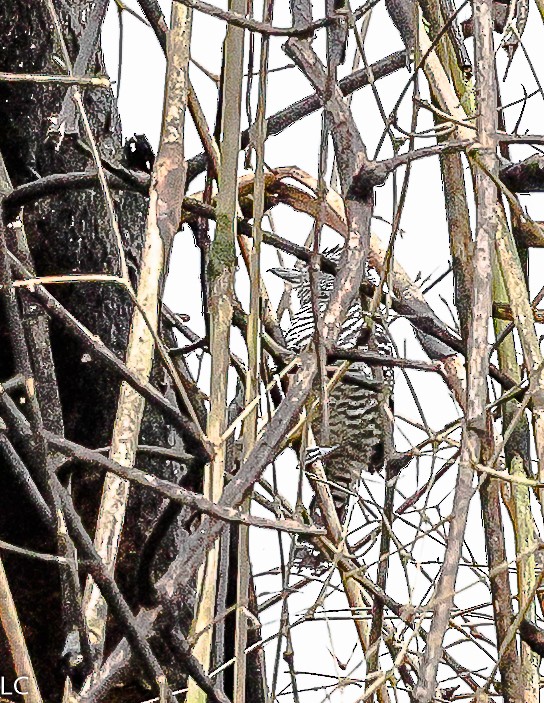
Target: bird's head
{"x": 293, "y": 276}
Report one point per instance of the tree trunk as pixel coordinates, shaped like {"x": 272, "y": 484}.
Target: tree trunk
{"x": 70, "y": 233}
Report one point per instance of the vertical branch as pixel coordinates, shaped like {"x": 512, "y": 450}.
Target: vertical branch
{"x": 252, "y": 376}
{"x": 165, "y": 199}
{"x": 518, "y": 295}
{"x": 373, "y": 656}
{"x": 461, "y": 249}
{"x": 526, "y": 563}
{"x": 501, "y": 593}
{"x": 220, "y": 270}
{"x": 455, "y": 196}
{"x": 477, "y": 354}
{"x": 518, "y": 441}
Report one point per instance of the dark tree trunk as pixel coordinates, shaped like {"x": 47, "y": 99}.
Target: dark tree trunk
{"x": 70, "y": 233}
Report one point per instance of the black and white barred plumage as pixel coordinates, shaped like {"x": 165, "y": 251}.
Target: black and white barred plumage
{"x": 359, "y": 428}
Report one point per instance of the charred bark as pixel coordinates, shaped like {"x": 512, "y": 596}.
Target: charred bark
{"x": 69, "y": 233}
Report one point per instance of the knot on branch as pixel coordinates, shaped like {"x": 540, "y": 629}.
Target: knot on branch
{"x": 407, "y": 613}
{"x": 370, "y": 176}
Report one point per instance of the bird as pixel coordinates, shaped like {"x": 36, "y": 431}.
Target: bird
{"x": 359, "y": 433}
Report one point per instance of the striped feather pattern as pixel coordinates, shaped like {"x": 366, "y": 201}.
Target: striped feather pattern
{"x": 358, "y": 422}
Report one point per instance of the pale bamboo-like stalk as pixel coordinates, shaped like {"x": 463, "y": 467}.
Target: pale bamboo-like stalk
{"x": 252, "y": 376}
{"x": 525, "y": 545}
{"x": 477, "y": 356}
{"x": 16, "y": 639}
{"x": 165, "y": 199}
{"x": 523, "y": 315}
{"x": 509, "y": 663}
{"x": 97, "y": 81}
{"x": 221, "y": 271}
{"x": 451, "y": 166}
{"x": 441, "y": 85}
{"x": 460, "y": 244}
